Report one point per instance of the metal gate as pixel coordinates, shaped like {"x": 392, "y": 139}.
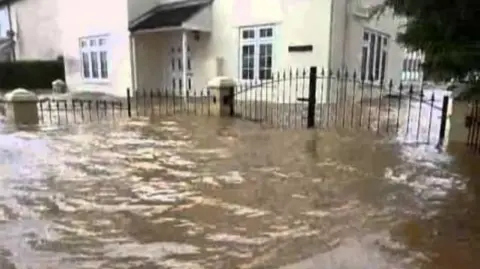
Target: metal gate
{"x": 323, "y": 99}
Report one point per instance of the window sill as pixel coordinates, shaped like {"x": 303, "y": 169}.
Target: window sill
{"x": 96, "y": 81}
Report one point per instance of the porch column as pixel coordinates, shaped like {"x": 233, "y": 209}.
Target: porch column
{"x": 133, "y": 61}
{"x": 184, "y": 63}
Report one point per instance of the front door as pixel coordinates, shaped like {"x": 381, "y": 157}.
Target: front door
{"x": 176, "y": 67}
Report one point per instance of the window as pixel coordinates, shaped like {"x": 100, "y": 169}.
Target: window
{"x": 256, "y": 52}
{"x": 374, "y": 56}
{"x": 94, "y": 57}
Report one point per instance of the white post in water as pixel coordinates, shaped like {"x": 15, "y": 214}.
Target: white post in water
{"x": 21, "y": 107}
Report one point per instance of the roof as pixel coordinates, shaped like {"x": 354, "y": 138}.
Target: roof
{"x": 168, "y": 15}
{"x": 4, "y": 2}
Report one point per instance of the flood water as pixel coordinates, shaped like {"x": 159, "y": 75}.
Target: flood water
{"x": 210, "y": 193}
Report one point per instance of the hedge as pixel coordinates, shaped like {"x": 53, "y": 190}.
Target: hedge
{"x": 32, "y": 75}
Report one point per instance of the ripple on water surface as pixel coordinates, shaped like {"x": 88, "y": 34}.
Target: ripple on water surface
{"x": 214, "y": 193}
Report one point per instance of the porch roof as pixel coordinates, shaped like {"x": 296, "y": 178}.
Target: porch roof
{"x": 171, "y": 15}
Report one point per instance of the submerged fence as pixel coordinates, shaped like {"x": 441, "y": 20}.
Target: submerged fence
{"x": 294, "y": 98}
{"x": 473, "y": 125}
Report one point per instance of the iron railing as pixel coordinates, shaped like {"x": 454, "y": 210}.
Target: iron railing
{"x": 473, "y": 125}
{"x": 294, "y": 98}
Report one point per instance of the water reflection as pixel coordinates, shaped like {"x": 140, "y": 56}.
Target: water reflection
{"x": 215, "y": 193}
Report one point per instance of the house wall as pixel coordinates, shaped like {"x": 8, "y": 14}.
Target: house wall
{"x": 36, "y": 24}
{"x": 296, "y": 22}
{"x": 347, "y": 42}
{"x": 79, "y": 19}
{"x": 386, "y": 24}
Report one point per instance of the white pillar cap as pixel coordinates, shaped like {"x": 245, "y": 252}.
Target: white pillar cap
{"x": 19, "y": 95}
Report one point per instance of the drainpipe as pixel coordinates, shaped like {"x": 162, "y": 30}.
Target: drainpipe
{"x": 9, "y": 11}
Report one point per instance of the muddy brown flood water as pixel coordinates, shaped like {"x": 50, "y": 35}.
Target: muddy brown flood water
{"x": 229, "y": 194}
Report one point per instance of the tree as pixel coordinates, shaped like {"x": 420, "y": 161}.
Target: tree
{"x": 447, "y": 31}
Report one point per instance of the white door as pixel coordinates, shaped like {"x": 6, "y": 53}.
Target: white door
{"x": 176, "y": 68}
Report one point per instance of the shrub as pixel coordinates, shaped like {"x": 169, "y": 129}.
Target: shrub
{"x": 31, "y": 75}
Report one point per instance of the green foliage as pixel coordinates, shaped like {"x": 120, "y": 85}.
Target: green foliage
{"x": 447, "y": 31}
{"x": 31, "y": 75}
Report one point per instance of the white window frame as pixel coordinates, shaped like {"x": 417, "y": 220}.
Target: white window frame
{"x": 257, "y": 41}
{"x": 86, "y": 47}
{"x": 384, "y": 50}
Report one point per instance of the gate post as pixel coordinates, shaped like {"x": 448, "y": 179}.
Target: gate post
{"x": 312, "y": 92}
{"x": 21, "y": 107}
{"x": 129, "y": 103}
{"x": 446, "y": 111}
{"x": 223, "y": 94}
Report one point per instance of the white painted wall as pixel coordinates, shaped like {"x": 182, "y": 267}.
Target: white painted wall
{"x": 107, "y": 17}
{"x": 347, "y": 42}
{"x": 37, "y": 27}
{"x": 297, "y": 22}
{"x": 387, "y": 24}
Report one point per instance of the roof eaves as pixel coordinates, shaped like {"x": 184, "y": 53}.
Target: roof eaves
{"x": 166, "y": 6}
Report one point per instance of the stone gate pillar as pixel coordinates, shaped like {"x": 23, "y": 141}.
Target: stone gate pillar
{"x": 21, "y": 107}
{"x": 222, "y": 94}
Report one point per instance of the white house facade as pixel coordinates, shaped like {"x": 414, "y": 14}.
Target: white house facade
{"x": 35, "y": 26}
{"x": 180, "y": 45}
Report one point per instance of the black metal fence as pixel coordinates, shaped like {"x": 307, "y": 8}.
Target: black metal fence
{"x": 308, "y": 98}
{"x": 473, "y": 125}
{"x": 71, "y": 111}
{"x": 294, "y": 98}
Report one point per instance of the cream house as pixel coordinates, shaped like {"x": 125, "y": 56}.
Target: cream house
{"x": 112, "y": 45}
{"x": 30, "y": 30}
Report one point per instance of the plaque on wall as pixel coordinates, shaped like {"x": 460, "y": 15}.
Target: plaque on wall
{"x": 300, "y": 48}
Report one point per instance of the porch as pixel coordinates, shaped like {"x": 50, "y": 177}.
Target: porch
{"x": 169, "y": 48}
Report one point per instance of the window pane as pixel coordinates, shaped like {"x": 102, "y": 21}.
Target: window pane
{"x": 180, "y": 67}
{"x": 103, "y": 64}
{"x": 180, "y": 84}
{"x": 371, "y": 58}
{"x": 384, "y": 64}
{"x": 86, "y": 65}
{"x": 173, "y": 64}
{"x": 245, "y": 74}
{"x": 93, "y": 42}
{"x": 404, "y": 68}
{"x": 365, "y": 36}
{"x": 364, "y": 63}
{"x": 248, "y": 54}
{"x": 262, "y": 74}
{"x": 173, "y": 84}
{"x": 189, "y": 83}
{"x": 265, "y": 61}
{"x": 266, "y": 32}
{"x": 248, "y": 34}
{"x": 189, "y": 64}
{"x": 94, "y": 59}
{"x": 83, "y": 44}
{"x": 377, "y": 57}
{"x": 250, "y": 74}
{"x": 410, "y": 65}
{"x": 102, "y": 41}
